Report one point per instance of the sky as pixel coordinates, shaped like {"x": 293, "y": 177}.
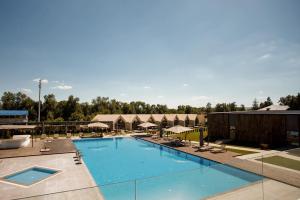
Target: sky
{"x": 160, "y": 51}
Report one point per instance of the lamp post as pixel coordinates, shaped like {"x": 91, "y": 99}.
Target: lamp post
{"x": 40, "y": 87}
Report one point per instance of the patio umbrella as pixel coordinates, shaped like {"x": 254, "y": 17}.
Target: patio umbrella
{"x": 147, "y": 125}
{"x": 179, "y": 129}
{"x": 97, "y": 125}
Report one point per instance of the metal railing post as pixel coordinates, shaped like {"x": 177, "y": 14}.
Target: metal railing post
{"x": 134, "y": 189}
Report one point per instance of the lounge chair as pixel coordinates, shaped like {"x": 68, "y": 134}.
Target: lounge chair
{"x": 55, "y": 136}
{"x": 155, "y": 137}
{"x": 69, "y": 135}
{"x": 220, "y": 149}
{"x": 204, "y": 148}
{"x": 43, "y": 136}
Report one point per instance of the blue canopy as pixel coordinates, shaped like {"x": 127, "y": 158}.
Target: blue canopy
{"x": 13, "y": 112}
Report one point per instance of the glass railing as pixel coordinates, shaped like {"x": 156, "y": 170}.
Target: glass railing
{"x": 192, "y": 184}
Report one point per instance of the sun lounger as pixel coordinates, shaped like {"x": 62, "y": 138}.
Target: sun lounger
{"x": 204, "y": 148}
{"x": 55, "y": 136}
{"x": 43, "y": 136}
{"x": 220, "y": 149}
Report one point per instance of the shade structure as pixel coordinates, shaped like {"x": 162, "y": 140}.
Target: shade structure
{"x": 97, "y": 125}
{"x": 147, "y": 125}
{"x": 178, "y": 129}
{"x": 17, "y": 127}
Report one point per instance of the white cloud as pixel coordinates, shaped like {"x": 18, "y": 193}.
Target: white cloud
{"x": 123, "y": 94}
{"x": 25, "y": 90}
{"x": 38, "y": 79}
{"x": 160, "y": 96}
{"x": 63, "y": 87}
{"x": 147, "y": 87}
{"x": 265, "y": 56}
{"x": 185, "y": 85}
{"x": 55, "y": 81}
{"x": 260, "y": 92}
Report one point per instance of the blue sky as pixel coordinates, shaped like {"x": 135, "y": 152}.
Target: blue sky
{"x": 169, "y": 51}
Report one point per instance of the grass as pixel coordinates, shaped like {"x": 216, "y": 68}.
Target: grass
{"x": 241, "y": 152}
{"x": 282, "y": 161}
{"x": 193, "y": 136}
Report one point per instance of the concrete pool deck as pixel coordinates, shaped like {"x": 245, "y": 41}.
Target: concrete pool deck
{"x": 57, "y": 146}
{"x": 72, "y": 178}
{"x": 273, "y": 190}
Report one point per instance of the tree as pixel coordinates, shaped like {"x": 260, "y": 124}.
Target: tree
{"x": 208, "y": 108}
{"x": 8, "y": 101}
{"x": 266, "y": 103}
{"x": 255, "y": 105}
{"x": 242, "y": 108}
{"x": 49, "y": 107}
{"x": 293, "y": 101}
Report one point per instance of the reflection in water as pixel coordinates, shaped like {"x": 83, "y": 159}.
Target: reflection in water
{"x": 116, "y": 143}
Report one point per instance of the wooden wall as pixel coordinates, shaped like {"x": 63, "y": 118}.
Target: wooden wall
{"x": 250, "y": 128}
{"x": 218, "y": 125}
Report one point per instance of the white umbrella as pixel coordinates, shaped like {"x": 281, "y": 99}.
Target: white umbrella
{"x": 178, "y": 129}
{"x": 97, "y": 125}
{"x": 147, "y": 125}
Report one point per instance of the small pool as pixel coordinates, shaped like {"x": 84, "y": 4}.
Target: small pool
{"x": 30, "y": 176}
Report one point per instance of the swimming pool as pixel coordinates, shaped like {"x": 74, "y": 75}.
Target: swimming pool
{"x": 129, "y": 168}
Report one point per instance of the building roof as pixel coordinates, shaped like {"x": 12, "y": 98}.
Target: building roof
{"x": 182, "y": 117}
{"x": 170, "y": 117}
{"x": 192, "y": 116}
{"x": 144, "y": 117}
{"x": 13, "y": 112}
{"x": 275, "y": 107}
{"x": 106, "y": 117}
{"x": 158, "y": 117}
{"x": 129, "y": 117}
{"x": 270, "y": 112}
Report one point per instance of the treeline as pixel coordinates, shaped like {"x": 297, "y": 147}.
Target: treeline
{"x": 73, "y": 110}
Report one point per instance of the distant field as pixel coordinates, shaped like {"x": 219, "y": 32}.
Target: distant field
{"x": 282, "y": 161}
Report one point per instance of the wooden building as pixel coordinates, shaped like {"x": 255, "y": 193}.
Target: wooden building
{"x": 275, "y": 128}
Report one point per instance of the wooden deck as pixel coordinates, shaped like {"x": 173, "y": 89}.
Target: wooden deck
{"x": 229, "y": 158}
{"x": 57, "y": 146}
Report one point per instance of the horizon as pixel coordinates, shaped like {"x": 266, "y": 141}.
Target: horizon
{"x": 159, "y": 52}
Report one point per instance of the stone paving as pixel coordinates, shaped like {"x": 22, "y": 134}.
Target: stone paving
{"x": 72, "y": 178}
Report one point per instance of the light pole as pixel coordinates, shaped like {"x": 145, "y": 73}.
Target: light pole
{"x": 40, "y": 87}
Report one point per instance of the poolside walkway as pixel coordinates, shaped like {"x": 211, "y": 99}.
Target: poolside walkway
{"x": 72, "y": 182}
{"x": 229, "y": 158}
{"x": 57, "y": 146}
{"x": 267, "y": 190}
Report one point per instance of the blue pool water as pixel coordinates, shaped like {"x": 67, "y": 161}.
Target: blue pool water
{"x": 30, "y": 176}
{"x": 126, "y": 168}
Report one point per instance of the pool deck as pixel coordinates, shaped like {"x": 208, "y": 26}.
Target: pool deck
{"x": 75, "y": 179}
{"x": 230, "y": 158}
{"x": 273, "y": 190}
{"x": 57, "y": 146}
